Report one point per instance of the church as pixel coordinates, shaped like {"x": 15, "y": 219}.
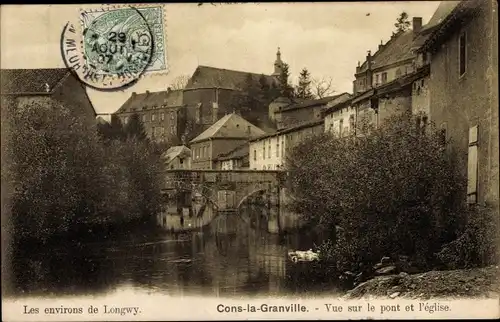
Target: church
{"x": 210, "y": 94}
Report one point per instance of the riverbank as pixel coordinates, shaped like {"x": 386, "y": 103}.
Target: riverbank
{"x": 463, "y": 283}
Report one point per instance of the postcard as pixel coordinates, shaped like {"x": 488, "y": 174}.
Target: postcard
{"x": 250, "y": 161}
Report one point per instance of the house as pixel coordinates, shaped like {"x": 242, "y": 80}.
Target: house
{"x": 236, "y": 159}
{"x": 222, "y": 137}
{"x": 269, "y": 151}
{"x": 305, "y": 111}
{"x": 162, "y": 113}
{"x": 340, "y": 119}
{"x": 463, "y": 51}
{"x": 21, "y": 87}
{"x": 177, "y": 157}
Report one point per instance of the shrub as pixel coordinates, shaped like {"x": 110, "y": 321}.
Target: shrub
{"x": 393, "y": 192}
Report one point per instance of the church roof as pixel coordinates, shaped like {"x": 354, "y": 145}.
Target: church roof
{"x": 39, "y": 81}
{"x": 212, "y": 77}
{"x": 231, "y": 126}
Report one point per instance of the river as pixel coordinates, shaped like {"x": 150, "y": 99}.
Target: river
{"x": 231, "y": 256}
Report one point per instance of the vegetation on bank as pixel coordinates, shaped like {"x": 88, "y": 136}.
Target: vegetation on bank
{"x": 68, "y": 177}
{"x": 395, "y": 192}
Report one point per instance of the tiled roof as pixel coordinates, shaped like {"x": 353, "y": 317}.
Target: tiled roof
{"x": 211, "y": 77}
{"x": 230, "y": 126}
{"x": 174, "y": 152}
{"x": 289, "y": 129}
{"x": 237, "y": 153}
{"x": 442, "y": 11}
{"x": 316, "y": 102}
{"x": 32, "y": 81}
{"x": 148, "y": 100}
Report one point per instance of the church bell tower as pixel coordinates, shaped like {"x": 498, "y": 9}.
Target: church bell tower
{"x": 278, "y": 64}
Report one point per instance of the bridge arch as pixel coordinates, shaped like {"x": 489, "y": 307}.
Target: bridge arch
{"x": 251, "y": 191}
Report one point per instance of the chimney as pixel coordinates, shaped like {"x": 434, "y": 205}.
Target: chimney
{"x": 417, "y": 25}
{"x": 147, "y": 92}
{"x": 381, "y": 45}
{"x": 169, "y": 89}
{"x": 133, "y": 94}
{"x": 369, "y": 59}
{"x": 369, "y": 74}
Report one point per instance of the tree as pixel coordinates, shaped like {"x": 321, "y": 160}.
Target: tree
{"x": 286, "y": 90}
{"x": 134, "y": 128}
{"x": 402, "y": 23}
{"x": 179, "y": 82}
{"x": 303, "y": 89}
{"x": 322, "y": 87}
{"x": 394, "y": 192}
{"x": 113, "y": 130}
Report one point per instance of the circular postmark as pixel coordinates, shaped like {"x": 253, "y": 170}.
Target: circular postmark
{"x": 109, "y": 49}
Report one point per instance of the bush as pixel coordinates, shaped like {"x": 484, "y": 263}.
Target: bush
{"x": 477, "y": 245}
{"x": 63, "y": 176}
{"x": 394, "y": 192}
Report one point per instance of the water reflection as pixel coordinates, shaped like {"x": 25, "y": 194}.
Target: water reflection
{"x": 234, "y": 255}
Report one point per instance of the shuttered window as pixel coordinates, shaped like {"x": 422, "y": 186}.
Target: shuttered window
{"x": 472, "y": 165}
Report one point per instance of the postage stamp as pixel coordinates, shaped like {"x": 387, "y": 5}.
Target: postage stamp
{"x": 114, "y": 47}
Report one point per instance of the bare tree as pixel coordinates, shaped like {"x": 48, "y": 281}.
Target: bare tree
{"x": 322, "y": 87}
{"x": 179, "y": 82}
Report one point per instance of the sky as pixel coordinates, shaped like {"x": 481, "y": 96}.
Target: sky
{"x": 326, "y": 38}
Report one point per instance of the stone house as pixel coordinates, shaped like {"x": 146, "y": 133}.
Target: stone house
{"x": 236, "y": 159}
{"x": 269, "y": 151}
{"x": 223, "y": 136}
{"x": 305, "y": 111}
{"x": 340, "y": 119}
{"x": 177, "y": 157}
{"x": 25, "y": 86}
{"x": 463, "y": 53}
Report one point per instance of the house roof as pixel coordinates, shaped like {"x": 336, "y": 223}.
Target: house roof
{"x": 289, "y": 130}
{"x": 316, "y": 102}
{"x": 230, "y": 126}
{"x": 459, "y": 13}
{"x": 442, "y": 11}
{"x": 40, "y": 81}
{"x": 212, "y": 77}
{"x": 237, "y": 153}
{"x": 148, "y": 100}
{"x": 174, "y": 152}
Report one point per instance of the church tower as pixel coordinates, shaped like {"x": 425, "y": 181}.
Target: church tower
{"x": 278, "y": 64}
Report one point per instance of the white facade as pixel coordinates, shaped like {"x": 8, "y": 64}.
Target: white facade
{"x": 341, "y": 121}
{"x": 268, "y": 153}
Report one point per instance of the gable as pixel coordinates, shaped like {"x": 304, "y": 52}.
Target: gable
{"x": 230, "y": 126}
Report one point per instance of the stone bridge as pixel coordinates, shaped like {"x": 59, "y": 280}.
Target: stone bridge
{"x": 226, "y": 190}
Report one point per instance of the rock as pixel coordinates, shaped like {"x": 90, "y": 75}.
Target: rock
{"x": 386, "y": 270}
{"x": 404, "y": 274}
{"x": 394, "y": 295}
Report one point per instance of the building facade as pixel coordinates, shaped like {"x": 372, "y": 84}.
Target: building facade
{"x": 303, "y": 112}
{"x": 236, "y": 159}
{"x": 222, "y": 137}
{"x": 463, "y": 54}
{"x": 269, "y": 152}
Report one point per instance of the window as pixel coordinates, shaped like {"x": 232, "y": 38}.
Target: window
{"x": 153, "y": 116}
{"x": 341, "y": 123}
{"x": 255, "y": 155}
{"x": 172, "y": 115}
{"x": 462, "y": 54}
{"x": 162, "y": 130}
{"x": 162, "y": 116}
{"x": 269, "y": 150}
{"x": 398, "y": 72}
{"x": 472, "y": 166}
{"x": 384, "y": 78}
{"x": 143, "y": 118}
{"x": 264, "y": 151}
{"x": 277, "y": 147}
{"x": 376, "y": 79}
{"x": 282, "y": 147}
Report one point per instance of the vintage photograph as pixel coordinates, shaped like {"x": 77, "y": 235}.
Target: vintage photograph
{"x": 341, "y": 151}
